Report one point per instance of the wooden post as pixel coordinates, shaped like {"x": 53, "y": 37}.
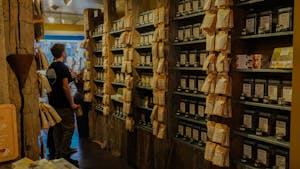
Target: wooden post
{"x": 295, "y": 116}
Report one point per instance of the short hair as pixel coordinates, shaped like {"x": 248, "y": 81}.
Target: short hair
{"x": 57, "y": 49}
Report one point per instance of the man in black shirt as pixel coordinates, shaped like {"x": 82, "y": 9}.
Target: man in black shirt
{"x": 60, "y": 98}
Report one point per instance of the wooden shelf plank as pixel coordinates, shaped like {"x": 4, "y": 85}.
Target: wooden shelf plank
{"x": 116, "y": 67}
{"x": 198, "y": 14}
{"x": 118, "y": 84}
{"x": 265, "y": 70}
{"x": 144, "y": 67}
{"x": 97, "y": 36}
{"x": 118, "y": 117}
{"x": 268, "y": 139}
{"x": 98, "y": 52}
{"x": 202, "y": 96}
{"x": 144, "y": 108}
{"x": 99, "y": 81}
{"x": 98, "y": 66}
{"x": 267, "y": 35}
{"x": 195, "y": 42}
{"x": 144, "y": 88}
{"x": 189, "y": 144}
{"x": 144, "y": 47}
{"x": 245, "y": 165}
{"x": 99, "y": 95}
{"x": 263, "y": 105}
{"x": 149, "y": 25}
{"x": 117, "y": 100}
{"x": 145, "y": 128}
{"x": 189, "y": 68}
{"x": 98, "y": 110}
{"x": 117, "y": 49}
{"x": 249, "y": 2}
{"x": 117, "y": 32}
{"x": 200, "y": 122}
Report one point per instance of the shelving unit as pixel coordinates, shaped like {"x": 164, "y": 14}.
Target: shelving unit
{"x": 99, "y": 81}
{"x": 288, "y": 71}
{"x": 144, "y": 47}
{"x": 99, "y": 96}
{"x": 116, "y": 67}
{"x": 263, "y": 105}
{"x": 196, "y": 147}
{"x": 97, "y": 37}
{"x": 195, "y": 42}
{"x": 202, "y": 96}
{"x": 144, "y": 26}
{"x": 268, "y": 35}
{"x": 116, "y": 33}
{"x": 117, "y": 49}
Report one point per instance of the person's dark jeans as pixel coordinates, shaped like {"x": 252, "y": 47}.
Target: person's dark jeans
{"x": 83, "y": 121}
{"x": 63, "y": 132}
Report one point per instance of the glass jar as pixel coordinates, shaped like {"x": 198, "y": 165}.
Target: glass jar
{"x": 200, "y": 110}
{"x": 183, "y": 83}
{"x": 247, "y": 89}
{"x": 183, "y": 58}
{"x": 282, "y": 159}
{"x": 273, "y": 91}
{"x": 196, "y": 31}
{"x": 193, "y": 84}
{"x": 150, "y": 37}
{"x": 180, "y": 34}
{"x": 192, "y": 58}
{"x": 150, "y": 16}
{"x": 192, "y": 108}
{"x": 141, "y": 18}
{"x": 146, "y": 38}
{"x": 200, "y": 82}
{"x": 203, "y": 134}
{"x": 263, "y": 156}
{"x": 182, "y": 107}
{"x": 180, "y": 9}
{"x": 251, "y": 24}
{"x": 285, "y": 19}
{"x": 180, "y": 129}
{"x": 265, "y": 123}
{"x": 249, "y": 121}
{"x": 188, "y": 33}
{"x": 196, "y": 5}
{"x": 282, "y": 127}
{"x": 286, "y": 92}
{"x": 259, "y": 90}
{"x": 248, "y": 151}
{"x": 196, "y": 134}
{"x": 265, "y": 22}
{"x": 188, "y": 6}
{"x": 142, "y": 40}
{"x": 148, "y": 59}
{"x": 188, "y": 132}
{"x": 146, "y": 17}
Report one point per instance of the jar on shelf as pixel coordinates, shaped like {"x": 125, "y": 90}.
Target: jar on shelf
{"x": 183, "y": 83}
{"x": 251, "y": 24}
{"x": 259, "y": 90}
{"x": 183, "y": 58}
{"x": 265, "y": 124}
{"x": 274, "y": 87}
{"x": 202, "y": 57}
{"x": 196, "y": 134}
{"x": 193, "y": 84}
{"x": 248, "y": 85}
{"x": 286, "y": 93}
{"x": 249, "y": 121}
{"x": 141, "y": 18}
{"x": 142, "y": 40}
{"x": 180, "y": 34}
{"x": 182, "y": 107}
{"x": 285, "y": 19}
{"x": 264, "y": 156}
{"x": 143, "y": 60}
{"x": 203, "y": 135}
{"x": 282, "y": 126}
{"x": 196, "y": 5}
{"x": 265, "y": 22}
{"x": 281, "y": 159}
{"x": 193, "y": 58}
{"x": 200, "y": 110}
{"x": 146, "y": 17}
{"x": 180, "y": 129}
{"x": 188, "y": 132}
{"x": 188, "y": 6}
{"x": 150, "y": 37}
{"x": 188, "y": 33}
{"x": 192, "y": 108}
{"x": 146, "y": 39}
{"x": 197, "y": 31}
{"x": 148, "y": 59}
{"x": 200, "y": 82}
{"x": 150, "y": 16}
{"x": 180, "y": 8}
{"x": 248, "y": 151}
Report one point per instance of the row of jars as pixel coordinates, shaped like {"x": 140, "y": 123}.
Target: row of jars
{"x": 98, "y": 30}
{"x": 272, "y": 91}
{"x": 146, "y": 39}
{"x": 264, "y": 123}
{"x": 98, "y": 46}
{"x": 192, "y": 109}
{"x": 100, "y": 61}
{"x": 189, "y": 33}
{"x": 192, "y": 133}
{"x": 186, "y": 7}
{"x": 118, "y": 60}
{"x": 192, "y": 58}
{"x": 145, "y": 59}
{"x": 101, "y": 75}
{"x": 261, "y": 155}
{"x": 191, "y": 83}
{"x": 118, "y": 25}
{"x": 146, "y": 17}
{"x": 117, "y": 43}
{"x": 119, "y": 77}
{"x": 119, "y": 110}
{"x": 146, "y": 80}
{"x": 269, "y": 21}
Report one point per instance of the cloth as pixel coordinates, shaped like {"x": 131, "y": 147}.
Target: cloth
{"x": 55, "y": 74}
{"x": 63, "y": 132}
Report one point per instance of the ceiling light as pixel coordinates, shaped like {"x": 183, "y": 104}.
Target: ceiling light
{"x": 68, "y": 2}
{"x": 51, "y": 19}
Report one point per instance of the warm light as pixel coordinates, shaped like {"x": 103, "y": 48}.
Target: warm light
{"x": 68, "y": 2}
{"x": 51, "y": 19}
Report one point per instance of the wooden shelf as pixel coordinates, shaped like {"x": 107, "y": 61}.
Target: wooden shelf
{"x": 144, "y": 47}
{"x": 144, "y": 67}
{"x": 251, "y": 3}
{"x": 265, "y": 70}
{"x": 117, "y": 49}
{"x": 99, "y": 95}
{"x": 145, "y": 128}
{"x": 117, "y": 32}
{"x": 118, "y": 84}
{"x": 116, "y": 67}
{"x": 144, "y": 108}
{"x": 268, "y": 139}
{"x": 189, "y": 68}
{"x": 245, "y": 165}
{"x": 97, "y": 36}
{"x": 98, "y": 52}
{"x": 189, "y": 144}
{"x": 263, "y": 105}
{"x": 148, "y": 25}
{"x": 189, "y": 16}
{"x": 200, "y": 122}
{"x": 202, "y": 96}
{"x": 99, "y": 110}
{"x": 98, "y": 66}
{"x": 99, "y": 81}
{"x": 144, "y": 88}
{"x": 195, "y": 42}
{"x": 267, "y": 35}
{"x": 117, "y": 100}
{"x": 118, "y": 117}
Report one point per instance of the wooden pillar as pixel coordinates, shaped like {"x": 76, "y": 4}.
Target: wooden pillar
{"x": 295, "y": 116}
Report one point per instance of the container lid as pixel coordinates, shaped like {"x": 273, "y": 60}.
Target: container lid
{"x": 272, "y": 81}
{"x": 251, "y": 15}
{"x": 282, "y": 117}
{"x": 250, "y": 142}
{"x": 249, "y": 80}
{"x": 287, "y": 9}
{"x": 265, "y": 114}
{"x": 260, "y": 81}
{"x": 8, "y": 133}
{"x": 266, "y": 13}
{"x": 262, "y": 146}
{"x": 282, "y": 152}
{"x": 249, "y": 111}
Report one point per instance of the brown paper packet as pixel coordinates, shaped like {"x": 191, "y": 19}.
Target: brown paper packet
{"x": 210, "y": 103}
{"x": 209, "y": 150}
{"x": 210, "y": 129}
{"x": 162, "y": 132}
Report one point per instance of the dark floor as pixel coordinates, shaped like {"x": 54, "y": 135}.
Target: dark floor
{"x": 91, "y": 156}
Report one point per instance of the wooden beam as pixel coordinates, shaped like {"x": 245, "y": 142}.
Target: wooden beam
{"x": 295, "y": 116}
{"x": 63, "y": 27}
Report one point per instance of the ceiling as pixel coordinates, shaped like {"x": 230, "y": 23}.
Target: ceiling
{"x": 75, "y": 7}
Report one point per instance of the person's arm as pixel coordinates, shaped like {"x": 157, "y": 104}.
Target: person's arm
{"x": 67, "y": 91}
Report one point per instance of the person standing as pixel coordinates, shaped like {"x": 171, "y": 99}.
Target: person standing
{"x": 60, "y": 98}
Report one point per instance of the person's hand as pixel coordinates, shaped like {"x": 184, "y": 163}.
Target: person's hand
{"x": 74, "y": 74}
{"x": 74, "y": 106}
